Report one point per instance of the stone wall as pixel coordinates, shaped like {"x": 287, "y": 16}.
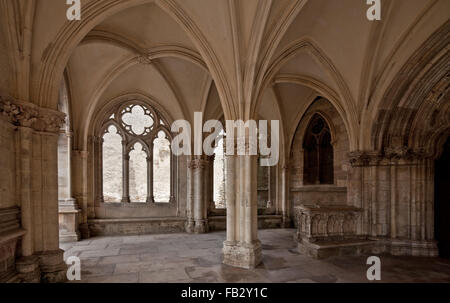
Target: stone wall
{"x": 326, "y": 194}
{"x": 5, "y": 70}
{"x": 7, "y": 164}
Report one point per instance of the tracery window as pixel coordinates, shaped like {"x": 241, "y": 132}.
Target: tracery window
{"x": 136, "y": 158}
{"x": 318, "y": 153}
{"x": 161, "y": 167}
{"x": 112, "y": 164}
{"x": 219, "y": 173}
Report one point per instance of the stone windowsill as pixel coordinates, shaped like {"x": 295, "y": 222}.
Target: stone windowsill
{"x": 319, "y": 188}
{"x": 137, "y": 220}
{"x": 135, "y": 205}
{"x": 327, "y": 208}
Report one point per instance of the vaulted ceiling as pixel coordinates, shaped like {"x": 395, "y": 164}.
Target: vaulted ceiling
{"x": 241, "y": 58}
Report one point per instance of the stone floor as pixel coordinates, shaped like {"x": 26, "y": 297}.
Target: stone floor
{"x": 197, "y": 258}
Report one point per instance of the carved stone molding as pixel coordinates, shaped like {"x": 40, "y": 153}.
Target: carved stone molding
{"x": 25, "y": 114}
{"x": 328, "y": 223}
{"x": 390, "y": 155}
{"x": 405, "y": 153}
{"x": 364, "y": 158}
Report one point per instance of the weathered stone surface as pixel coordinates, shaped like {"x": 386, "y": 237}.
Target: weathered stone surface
{"x": 175, "y": 261}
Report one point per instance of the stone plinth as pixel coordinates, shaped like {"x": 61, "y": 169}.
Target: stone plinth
{"x": 136, "y": 226}
{"x": 201, "y": 226}
{"x": 10, "y": 235}
{"x": 68, "y": 221}
{"x": 52, "y": 266}
{"x": 242, "y": 255}
{"x": 219, "y": 223}
{"x": 28, "y": 269}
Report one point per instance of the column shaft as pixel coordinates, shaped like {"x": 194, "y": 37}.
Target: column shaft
{"x": 231, "y": 200}
{"x": 26, "y": 140}
{"x": 150, "y": 197}
{"x": 200, "y": 218}
{"x": 125, "y": 174}
{"x": 242, "y": 247}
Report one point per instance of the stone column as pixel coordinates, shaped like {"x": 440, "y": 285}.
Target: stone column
{"x": 68, "y": 207}
{"x": 189, "y": 200}
{"x": 125, "y": 174}
{"x": 98, "y": 164}
{"x": 38, "y": 177}
{"x": 231, "y": 201}
{"x": 28, "y": 264}
{"x": 285, "y": 205}
{"x": 150, "y": 197}
{"x": 80, "y": 176}
{"x": 173, "y": 182}
{"x": 198, "y": 167}
{"x": 269, "y": 188}
{"x": 210, "y": 184}
{"x": 242, "y": 247}
{"x": 51, "y": 261}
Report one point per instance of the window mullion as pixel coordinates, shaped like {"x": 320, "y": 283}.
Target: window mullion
{"x": 125, "y": 173}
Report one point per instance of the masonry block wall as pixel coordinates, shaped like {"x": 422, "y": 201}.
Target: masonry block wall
{"x": 334, "y": 194}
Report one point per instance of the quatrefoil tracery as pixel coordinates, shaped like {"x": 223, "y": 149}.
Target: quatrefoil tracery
{"x": 137, "y": 120}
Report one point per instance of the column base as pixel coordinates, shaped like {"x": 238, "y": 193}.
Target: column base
{"x": 286, "y": 223}
{"x": 415, "y": 248}
{"x": 67, "y": 237}
{"x": 242, "y": 255}
{"x": 68, "y": 221}
{"x": 201, "y": 226}
{"x": 53, "y": 267}
{"x": 84, "y": 231}
{"x": 190, "y": 226}
{"x": 28, "y": 269}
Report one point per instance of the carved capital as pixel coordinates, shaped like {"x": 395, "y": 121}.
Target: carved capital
{"x": 389, "y": 156}
{"x": 198, "y": 163}
{"x": 246, "y": 146}
{"x": 405, "y": 153}
{"x": 26, "y": 114}
{"x": 364, "y": 158}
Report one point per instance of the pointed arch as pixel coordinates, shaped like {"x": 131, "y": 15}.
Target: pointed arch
{"x": 342, "y": 99}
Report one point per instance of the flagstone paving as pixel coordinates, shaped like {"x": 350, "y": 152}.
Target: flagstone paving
{"x": 197, "y": 258}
